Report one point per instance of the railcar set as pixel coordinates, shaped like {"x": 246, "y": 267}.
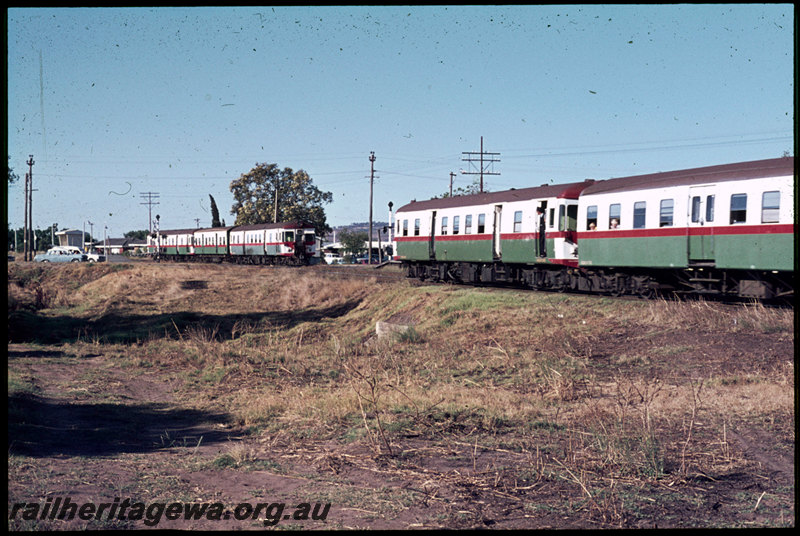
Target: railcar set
{"x": 721, "y": 230}
{"x": 284, "y": 243}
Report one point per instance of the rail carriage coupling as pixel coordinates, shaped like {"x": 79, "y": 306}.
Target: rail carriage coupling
{"x": 723, "y": 230}
{"x": 284, "y": 243}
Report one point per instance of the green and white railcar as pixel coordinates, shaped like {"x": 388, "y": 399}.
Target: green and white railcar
{"x": 489, "y": 237}
{"x": 269, "y": 243}
{"x": 720, "y": 229}
{"x": 173, "y": 243}
{"x": 211, "y": 244}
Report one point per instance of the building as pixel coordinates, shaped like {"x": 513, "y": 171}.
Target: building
{"x": 70, "y": 237}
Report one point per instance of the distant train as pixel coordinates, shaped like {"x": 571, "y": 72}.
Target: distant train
{"x": 286, "y": 243}
{"x": 720, "y": 230}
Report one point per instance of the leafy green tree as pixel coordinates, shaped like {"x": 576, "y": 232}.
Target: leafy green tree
{"x": 353, "y": 241}
{"x": 214, "y": 213}
{"x": 298, "y": 198}
{"x": 138, "y": 235}
{"x": 12, "y": 177}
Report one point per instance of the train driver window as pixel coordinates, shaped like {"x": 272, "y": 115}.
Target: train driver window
{"x": 591, "y": 217}
{"x": 613, "y": 216}
{"x": 552, "y": 218}
{"x": 770, "y": 207}
{"x": 738, "y": 208}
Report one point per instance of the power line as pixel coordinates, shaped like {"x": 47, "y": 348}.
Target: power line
{"x": 151, "y": 196}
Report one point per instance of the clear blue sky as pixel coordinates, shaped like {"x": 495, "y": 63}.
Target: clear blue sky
{"x": 114, "y": 103}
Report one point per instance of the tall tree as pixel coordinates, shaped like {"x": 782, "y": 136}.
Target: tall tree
{"x": 297, "y": 198}
{"x": 214, "y": 213}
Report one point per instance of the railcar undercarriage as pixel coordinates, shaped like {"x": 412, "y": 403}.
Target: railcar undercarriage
{"x": 645, "y": 283}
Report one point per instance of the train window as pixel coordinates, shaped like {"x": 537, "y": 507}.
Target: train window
{"x": 562, "y": 214}
{"x": 639, "y": 211}
{"x": 613, "y": 216}
{"x": 481, "y": 223}
{"x": 552, "y": 217}
{"x": 710, "y": 208}
{"x": 518, "y": 221}
{"x": 416, "y": 227}
{"x": 738, "y": 208}
{"x": 468, "y": 224}
{"x": 665, "y": 217}
{"x": 444, "y": 225}
{"x": 456, "y": 223}
{"x": 770, "y": 207}
{"x": 591, "y": 218}
{"x": 405, "y": 227}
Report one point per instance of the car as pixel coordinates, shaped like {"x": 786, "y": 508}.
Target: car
{"x": 61, "y": 254}
{"x": 92, "y": 256}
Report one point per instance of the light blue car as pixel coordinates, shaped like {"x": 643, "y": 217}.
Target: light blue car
{"x": 60, "y": 254}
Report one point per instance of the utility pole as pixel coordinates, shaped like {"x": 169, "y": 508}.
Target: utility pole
{"x": 371, "y": 180}
{"x": 482, "y": 169}
{"x": 451, "y": 183}
{"x": 150, "y": 196}
{"x": 30, "y": 249}
{"x": 25, "y": 220}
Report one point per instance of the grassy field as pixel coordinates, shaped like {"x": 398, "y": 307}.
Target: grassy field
{"x": 493, "y": 408}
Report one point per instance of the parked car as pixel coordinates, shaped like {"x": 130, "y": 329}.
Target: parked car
{"x": 92, "y": 256}
{"x": 61, "y": 254}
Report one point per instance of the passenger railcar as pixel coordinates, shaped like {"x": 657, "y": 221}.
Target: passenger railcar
{"x": 716, "y": 230}
{"x": 290, "y": 243}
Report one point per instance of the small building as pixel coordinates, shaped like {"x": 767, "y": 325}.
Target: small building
{"x": 70, "y": 237}
{"x": 113, "y": 246}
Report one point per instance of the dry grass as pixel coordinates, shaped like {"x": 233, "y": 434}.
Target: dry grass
{"x": 583, "y": 387}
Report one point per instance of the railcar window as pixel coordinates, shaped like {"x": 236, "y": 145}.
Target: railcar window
{"x": 444, "y": 225}
{"x": 695, "y": 209}
{"x": 468, "y": 224}
{"x": 456, "y": 223}
{"x": 710, "y": 208}
{"x": 738, "y": 208}
{"x": 770, "y": 207}
{"x": 639, "y": 211}
{"x": 665, "y": 217}
{"x": 289, "y": 236}
{"x": 562, "y": 214}
{"x": 518, "y": 221}
{"x": 405, "y": 227}
{"x": 613, "y": 216}
{"x": 591, "y": 217}
{"x": 416, "y": 227}
{"x": 481, "y": 223}
{"x": 552, "y": 218}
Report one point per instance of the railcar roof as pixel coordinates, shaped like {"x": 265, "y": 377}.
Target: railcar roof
{"x": 774, "y": 167}
{"x": 279, "y": 225}
{"x": 568, "y": 191}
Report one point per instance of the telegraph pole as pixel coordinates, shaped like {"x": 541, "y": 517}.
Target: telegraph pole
{"x": 150, "y": 196}
{"x": 451, "y": 183}
{"x": 482, "y": 169}
{"x": 30, "y": 250}
{"x": 371, "y": 180}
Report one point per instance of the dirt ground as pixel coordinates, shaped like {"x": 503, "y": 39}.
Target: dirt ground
{"x": 65, "y": 442}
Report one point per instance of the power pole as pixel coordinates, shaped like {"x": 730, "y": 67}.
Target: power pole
{"x": 451, "y": 183}
{"x": 150, "y": 196}
{"x": 371, "y": 180}
{"x": 25, "y": 220}
{"x": 30, "y": 249}
{"x": 485, "y": 163}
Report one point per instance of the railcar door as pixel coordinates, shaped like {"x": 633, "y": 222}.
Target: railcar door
{"x": 701, "y": 224}
{"x": 496, "y": 247}
{"x": 432, "y": 239}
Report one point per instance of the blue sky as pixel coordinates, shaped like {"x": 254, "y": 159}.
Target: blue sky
{"x": 114, "y": 103}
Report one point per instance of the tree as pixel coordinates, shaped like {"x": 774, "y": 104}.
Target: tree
{"x": 214, "y": 213}
{"x": 12, "y": 177}
{"x": 353, "y": 241}
{"x": 474, "y": 188}
{"x": 138, "y": 235}
{"x": 297, "y": 200}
